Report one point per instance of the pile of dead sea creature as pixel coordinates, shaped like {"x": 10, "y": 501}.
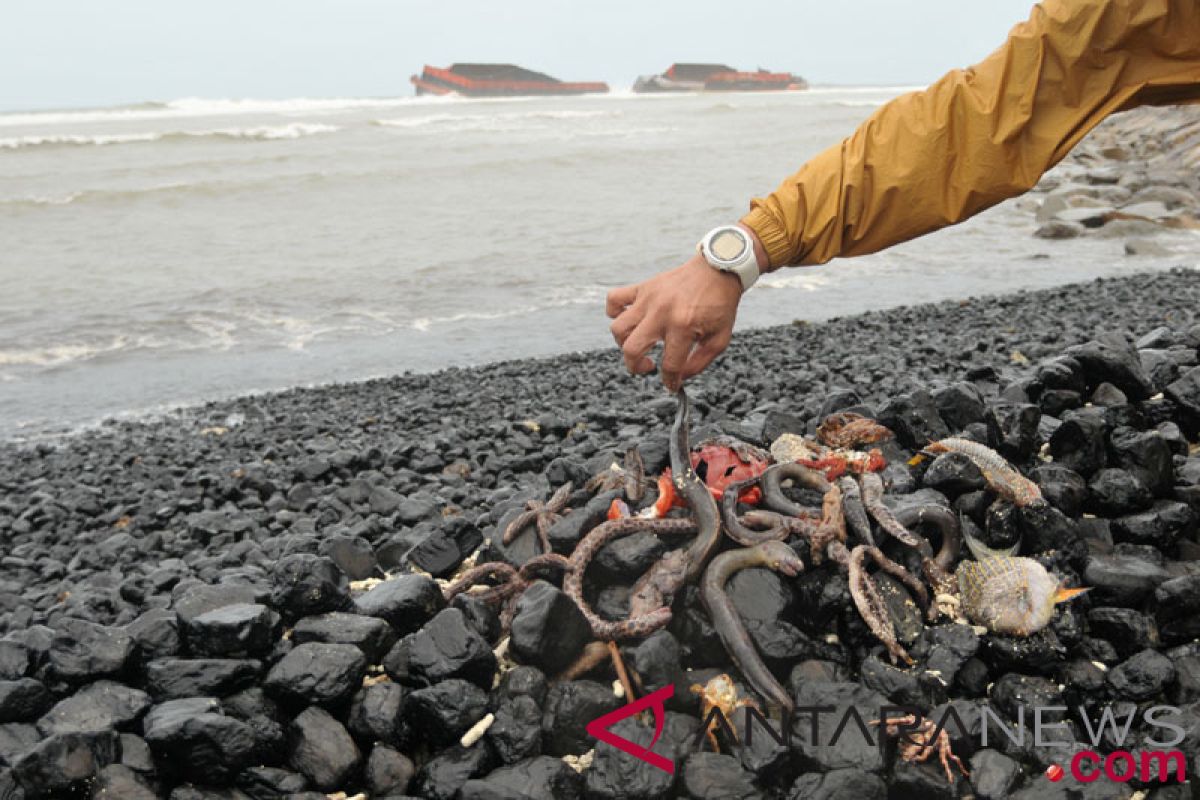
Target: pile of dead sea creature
{"x": 735, "y": 494}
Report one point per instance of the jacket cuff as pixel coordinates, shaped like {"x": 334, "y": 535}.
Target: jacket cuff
{"x": 771, "y": 234}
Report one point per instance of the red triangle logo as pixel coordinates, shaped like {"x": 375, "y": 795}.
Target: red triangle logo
{"x": 599, "y": 727}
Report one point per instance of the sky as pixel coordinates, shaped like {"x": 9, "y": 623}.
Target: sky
{"x": 75, "y": 53}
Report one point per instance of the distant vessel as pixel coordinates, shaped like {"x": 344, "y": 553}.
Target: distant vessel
{"x": 496, "y": 80}
{"x": 717, "y": 78}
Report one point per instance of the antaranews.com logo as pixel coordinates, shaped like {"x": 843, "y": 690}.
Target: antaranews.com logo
{"x": 1155, "y": 760}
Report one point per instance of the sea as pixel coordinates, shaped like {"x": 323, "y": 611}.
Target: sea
{"x": 171, "y": 253}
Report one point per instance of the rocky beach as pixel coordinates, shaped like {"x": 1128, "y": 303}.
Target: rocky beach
{"x": 242, "y": 599}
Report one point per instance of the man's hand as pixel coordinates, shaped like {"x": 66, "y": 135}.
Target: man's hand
{"x": 690, "y": 309}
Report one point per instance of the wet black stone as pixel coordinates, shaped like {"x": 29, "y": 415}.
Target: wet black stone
{"x": 853, "y": 748}
{"x": 1147, "y": 456}
{"x": 1142, "y": 676}
{"x": 1185, "y": 393}
{"x": 406, "y": 602}
{"x": 944, "y": 649}
{"x": 1186, "y": 688}
{"x": 84, "y": 651}
{"x": 548, "y": 630}
{"x": 156, "y": 634}
{"x": 1078, "y": 443}
{"x": 614, "y": 774}
{"x": 440, "y": 552}
{"x": 959, "y": 405}
{"x": 388, "y": 771}
{"x": 901, "y": 686}
{"x": 23, "y": 700}
{"x": 521, "y": 681}
{"x": 540, "y": 776}
{"x": 567, "y": 532}
{"x": 1054, "y": 402}
{"x": 516, "y": 732}
{"x": 442, "y": 713}
{"x": 1177, "y": 608}
{"x": 268, "y": 783}
{"x": 101, "y": 706}
{"x": 1012, "y": 691}
{"x": 709, "y": 776}
{"x": 175, "y": 677}
{"x": 304, "y": 584}
{"x": 320, "y": 749}
{"x": 972, "y": 679}
{"x": 914, "y": 419}
{"x": 922, "y": 780}
{"x": 64, "y": 761}
{"x": 16, "y": 739}
{"x": 628, "y": 557}
{"x": 1002, "y": 525}
{"x": 568, "y": 709}
{"x": 1111, "y": 358}
{"x": 1112, "y": 492}
{"x": 238, "y": 631}
{"x": 993, "y": 774}
{"x": 375, "y": 711}
{"x": 1045, "y": 529}
{"x": 657, "y": 662}
{"x": 447, "y": 647}
{"x": 1127, "y": 630}
{"x": 1062, "y": 372}
{"x": 14, "y": 660}
{"x": 445, "y": 777}
{"x": 1121, "y": 579}
{"x": 353, "y": 555}
{"x": 192, "y": 599}
{"x": 1013, "y": 427}
{"x": 372, "y": 636}
{"x": 118, "y": 781}
{"x": 1159, "y": 526}
{"x": 953, "y": 474}
{"x": 197, "y": 741}
{"x": 838, "y": 784}
{"x": 316, "y": 673}
{"x": 1041, "y": 652}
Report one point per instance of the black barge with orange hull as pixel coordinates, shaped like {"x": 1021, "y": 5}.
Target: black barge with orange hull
{"x": 718, "y": 78}
{"x": 496, "y": 80}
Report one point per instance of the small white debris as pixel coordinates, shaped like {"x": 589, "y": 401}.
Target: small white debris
{"x": 1044, "y": 453}
{"x": 937, "y": 675}
{"x": 980, "y": 630}
{"x": 1158, "y": 396}
{"x": 580, "y": 763}
{"x": 364, "y": 585}
{"x": 477, "y": 731}
{"x": 618, "y": 689}
{"x": 832, "y": 638}
{"x": 1100, "y": 665}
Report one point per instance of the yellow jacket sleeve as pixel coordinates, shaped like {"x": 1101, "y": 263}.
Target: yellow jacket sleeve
{"x": 983, "y": 134}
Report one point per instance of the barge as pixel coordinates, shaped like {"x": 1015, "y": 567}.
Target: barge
{"x": 496, "y": 80}
{"x": 717, "y": 78}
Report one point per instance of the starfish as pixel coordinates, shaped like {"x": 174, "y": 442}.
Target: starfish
{"x": 544, "y": 515}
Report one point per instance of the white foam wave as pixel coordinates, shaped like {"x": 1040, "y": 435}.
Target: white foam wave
{"x": 55, "y": 355}
{"x": 510, "y": 120}
{"x": 293, "y": 130}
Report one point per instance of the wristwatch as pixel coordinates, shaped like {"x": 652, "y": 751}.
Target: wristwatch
{"x": 730, "y": 249}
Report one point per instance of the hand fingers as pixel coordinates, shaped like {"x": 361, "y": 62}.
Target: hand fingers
{"x": 625, "y": 323}
{"x": 704, "y": 353}
{"x": 618, "y": 299}
{"x": 676, "y": 347}
{"x": 637, "y": 345}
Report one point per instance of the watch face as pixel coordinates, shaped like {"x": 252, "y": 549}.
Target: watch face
{"x": 727, "y": 245}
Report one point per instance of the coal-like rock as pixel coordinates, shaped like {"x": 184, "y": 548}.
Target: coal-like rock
{"x": 914, "y": 419}
{"x": 119, "y": 782}
{"x": 993, "y": 774}
{"x": 1078, "y": 443}
{"x": 23, "y": 700}
{"x": 372, "y": 636}
{"x": 1142, "y": 676}
{"x": 406, "y": 602}
{"x": 156, "y": 633}
{"x": 320, "y": 749}
{"x": 711, "y": 776}
{"x": 197, "y": 741}
{"x": 1126, "y": 629}
{"x": 1121, "y": 579}
{"x": 304, "y": 584}
{"x": 569, "y": 707}
{"x": 388, "y": 771}
{"x": 64, "y": 761}
{"x": 548, "y": 630}
{"x": 1158, "y": 527}
{"x": 101, "y": 706}
{"x": 170, "y": 678}
{"x": 84, "y": 651}
{"x": 375, "y": 711}
{"x": 1112, "y": 492}
{"x": 446, "y": 776}
{"x": 838, "y": 784}
{"x": 953, "y": 474}
{"x": 442, "y": 713}
{"x": 1111, "y": 358}
{"x": 540, "y": 776}
{"x": 317, "y": 673}
{"x": 240, "y": 630}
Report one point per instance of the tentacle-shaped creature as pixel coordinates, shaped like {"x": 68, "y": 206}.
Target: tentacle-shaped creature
{"x": 513, "y": 584}
{"x": 543, "y": 514}
{"x": 776, "y": 556}
{"x": 937, "y": 568}
{"x": 699, "y": 500}
{"x": 772, "y": 487}
{"x": 1000, "y": 476}
{"x": 854, "y": 510}
{"x": 869, "y": 602}
{"x": 767, "y": 526}
{"x": 872, "y": 495}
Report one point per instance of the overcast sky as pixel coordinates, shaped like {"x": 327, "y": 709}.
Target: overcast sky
{"x": 60, "y": 53}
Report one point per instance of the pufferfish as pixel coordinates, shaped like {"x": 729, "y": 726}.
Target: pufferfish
{"x": 1010, "y": 594}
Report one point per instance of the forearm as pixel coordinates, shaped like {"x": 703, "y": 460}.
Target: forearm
{"x": 978, "y": 136}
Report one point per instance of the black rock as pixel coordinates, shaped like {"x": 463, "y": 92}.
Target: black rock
{"x": 1111, "y": 358}
{"x": 353, "y": 555}
{"x": 84, "y": 651}
{"x": 657, "y": 662}
{"x": 304, "y": 584}
{"x": 567, "y": 532}
{"x": 953, "y": 474}
{"x": 269, "y": 783}
{"x": 447, "y": 647}
{"x": 320, "y": 749}
{"x": 1014, "y": 429}
{"x": 238, "y": 631}
{"x": 959, "y": 405}
{"x": 548, "y": 629}
{"x": 993, "y": 774}
{"x": 372, "y": 636}
{"x": 375, "y": 711}
{"x": 101, "y": 706}
{"x": 1120, "y": 579}
{"x": 838, "y": 784}
{"x": 516, "y": 732}
{"x": 388, "y": 771}
{"x": 901, "y": 686}
{"x": 1177, "y": 610}
{"x": 629, "y": 557}
{"x": 442, "y": 713}
{"x": 1159, "y": 527}
{"x": 1078, "y": 443}
{"x": 170, "y": 678}
{"x": 1042, "y": 652}
{"x": 914, "y": 419}
{"x": 317, "y": 673}
{"x": 569, "y": 707}
{"x": 540, "y": 776}
{"x": 711, "y": 776}
{"x": 1113, "y": 492}
{"x": 1002, "y": 526}
{"x": 445, "y": 776}
{"x": 406, "y": 602}
{"x": 23, "y": 700}
{"x": 116, "y": 781}
{"x": 199, "y": 598}
{"x": 1142, "y": 676}
{"x": 855, "y": 745}
{"x": 1126, "y": 629}
{"x": 14, "y": 660}
{"x": 1185, "y": 393}
{"x": 944, "y": 649}
{"x": 197, "y": 741}
{"x": 1147, "y": 456}
{"x": 156, "y": 633}
{"x": 614, "y": 774}
{"x": 923, "y": 780}
{"x": 64, "y": 761}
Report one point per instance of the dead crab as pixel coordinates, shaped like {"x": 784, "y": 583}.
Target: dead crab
{"x": 720, "y": 693}
{"x": 917, "y": 742}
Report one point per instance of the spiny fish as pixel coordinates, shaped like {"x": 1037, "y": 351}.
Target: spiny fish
{"x": 1010, "y": 595}
{"x": 1000, "y": 476}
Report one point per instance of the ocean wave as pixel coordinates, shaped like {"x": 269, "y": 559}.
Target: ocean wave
{"x": 58, "y": 354}
{"x": 293, "y": 130}
{"x": 187, "y": 107}
{"x": 509, "y": 120}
